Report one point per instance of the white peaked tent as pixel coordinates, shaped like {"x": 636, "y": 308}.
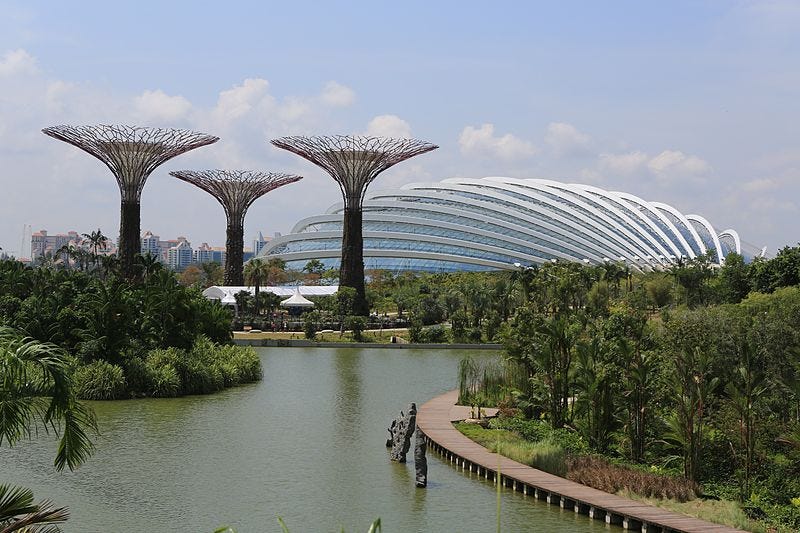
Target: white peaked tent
{"x": 297, "y": 300}
{"x": 226, "y": 295}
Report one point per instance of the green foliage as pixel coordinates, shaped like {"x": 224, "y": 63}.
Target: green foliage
{"x": 540, "y": 431}
{"x": 355, "y": 324}
{"x": 345, "y": 300}
{"x": 206, "y": 368}
{"x": 100, "y": 380}
{"x": 310, "y": 326}
{"x": 659, "y": 290}
{"x": 545, "y": 455}
{"x": 100, "y": 316}
{"x": 38, "y": 393}
{"x": 481, "y": 383}
{"x": 18, "y": 512}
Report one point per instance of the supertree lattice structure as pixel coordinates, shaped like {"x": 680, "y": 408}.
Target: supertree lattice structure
{"x": 132, "y": 154}
{"x": 354, "y": 162}
{"x": 236, "y": 190}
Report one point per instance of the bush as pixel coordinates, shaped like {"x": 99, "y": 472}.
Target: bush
{"x": 135, "y": 373}
{"x": 433, "y": 335}
{"x": 206, "y": 368}
{"x": 162, "y": 377}
{"x": 310, "y": 327}
{"x": 538, "y": 431}
{"x": 99, "y": 380}
{"x": 356, "y": 326}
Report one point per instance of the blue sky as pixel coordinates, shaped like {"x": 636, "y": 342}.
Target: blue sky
{"x": 690, "y": 103}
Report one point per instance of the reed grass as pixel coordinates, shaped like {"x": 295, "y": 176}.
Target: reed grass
{"x": 597, "y": 472}
{"x": 481, "y": 383}
{"x": 546, "y": 455}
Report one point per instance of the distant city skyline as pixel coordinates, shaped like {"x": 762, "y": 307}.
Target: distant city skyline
{"x": 43, "y": 242}
{"x": 693, "y": 104}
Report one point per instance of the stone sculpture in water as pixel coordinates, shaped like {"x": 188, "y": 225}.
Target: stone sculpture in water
{"x": 400, "y": 432}
{"x": 403, "y": 430}
{"x": 420, "y": 462}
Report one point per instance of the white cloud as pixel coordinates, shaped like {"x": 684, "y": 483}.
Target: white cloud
{"x": 669, "y": 164}
{"x": 337, "y": 95}
{"x": 624, "y": 164}
{"x": 482, "y": 142}
{"x": 156, "y": 106}
{"x": 674, "y": 163}
{"x": 241, "y": 99}
{"x": 760, "y": 185}
{"x": 389, "y": 126}
{"x": 565, "y": 139}
{"x": 17, "y": 62}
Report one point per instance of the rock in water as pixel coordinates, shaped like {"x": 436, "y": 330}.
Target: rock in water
{"x": 420, "y": 462}
{"x": 390, "y": 429}
{"x": 403, "y": 431}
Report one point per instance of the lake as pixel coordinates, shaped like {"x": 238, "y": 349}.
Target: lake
{"x": 305, "y": 444}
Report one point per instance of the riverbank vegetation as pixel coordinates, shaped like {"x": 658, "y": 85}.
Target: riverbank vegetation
{"x": 149, "y": 336}
{"x": 682, "y": 385}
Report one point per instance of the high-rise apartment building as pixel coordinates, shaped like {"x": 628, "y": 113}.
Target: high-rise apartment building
{"x": 42, "y": 243}
{"x": 181, "y": 255}
{"x": 204, "y": 254}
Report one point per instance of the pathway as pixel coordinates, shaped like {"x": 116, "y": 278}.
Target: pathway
{"x": 435, "y": 419}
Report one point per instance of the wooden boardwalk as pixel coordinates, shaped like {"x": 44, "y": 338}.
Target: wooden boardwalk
{"x": 435, "y": 420}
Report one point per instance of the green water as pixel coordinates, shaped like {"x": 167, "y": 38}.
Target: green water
{"x": 306, "y": 444}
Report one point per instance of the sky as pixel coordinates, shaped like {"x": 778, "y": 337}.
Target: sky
{"x": 691, "y": 103}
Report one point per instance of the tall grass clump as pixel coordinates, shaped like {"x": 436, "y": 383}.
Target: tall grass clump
{"x": 546, "y": 455}
{"x": 207, "y": 367}
{"x": 481, "y": 383}
{"x": 99, "y": 380}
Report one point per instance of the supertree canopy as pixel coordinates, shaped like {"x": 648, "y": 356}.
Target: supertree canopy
{"x": 132, "y": 154}
{"x": 354, "y": 162}
{"x": 236, "y": 190}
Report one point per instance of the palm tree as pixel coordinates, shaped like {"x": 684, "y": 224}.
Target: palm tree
{"x": 97, "y": 240}
{"x": 37, "y": 394}
{"x": 19, "y": 513}
{"x": 256, "y": 271}
{"x": 148, "y": 265}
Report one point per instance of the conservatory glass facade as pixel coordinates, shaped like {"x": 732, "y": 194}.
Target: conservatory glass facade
{"x": 496, "y": 223}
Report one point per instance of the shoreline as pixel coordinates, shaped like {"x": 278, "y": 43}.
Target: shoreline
{"x": 305, "y": 343}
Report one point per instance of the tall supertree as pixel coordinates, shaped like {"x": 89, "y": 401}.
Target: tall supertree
{"x": 354, "y": 162}
{"x": 132, "y": 154}
{"x": 236, "y": 190}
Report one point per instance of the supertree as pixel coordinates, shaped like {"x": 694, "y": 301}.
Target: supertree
{"x": 354, "y": 162}
{"x": 132, "y": 154}
{"x": 236, "y": 190}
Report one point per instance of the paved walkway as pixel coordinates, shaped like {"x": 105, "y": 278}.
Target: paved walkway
{"x": 435, "y": 420}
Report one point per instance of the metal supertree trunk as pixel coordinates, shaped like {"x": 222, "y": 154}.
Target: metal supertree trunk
{"x": 236, "y": 190}
{"x": 354, "y": 162}
{"x": 132, "y": 154}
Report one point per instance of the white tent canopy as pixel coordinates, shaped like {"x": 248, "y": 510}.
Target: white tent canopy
{"x": 226, "y": 294}
{"x": 297, "y": 300}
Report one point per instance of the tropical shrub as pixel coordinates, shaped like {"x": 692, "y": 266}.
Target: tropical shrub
{"x": 99, "y": 380}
